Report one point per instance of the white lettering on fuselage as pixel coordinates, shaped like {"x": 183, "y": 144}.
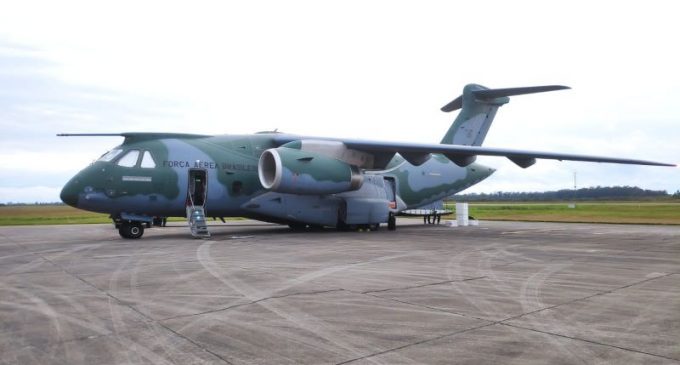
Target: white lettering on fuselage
{"x": 176, "y": 163}
{"x": 208, "y": 165}
{"x": 137, "y": 178}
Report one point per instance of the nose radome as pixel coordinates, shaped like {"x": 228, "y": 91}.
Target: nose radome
{"x": 69, "y": 194}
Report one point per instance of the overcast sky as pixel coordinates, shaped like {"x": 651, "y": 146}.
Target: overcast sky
{"x": 360, "y": 69}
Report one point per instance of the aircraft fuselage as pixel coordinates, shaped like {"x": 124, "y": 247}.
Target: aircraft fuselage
{"x": 151, "y": 177}
{"x": 296, "y": 180}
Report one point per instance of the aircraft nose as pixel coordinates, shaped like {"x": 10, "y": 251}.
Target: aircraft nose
{"x": 69, "y": 194}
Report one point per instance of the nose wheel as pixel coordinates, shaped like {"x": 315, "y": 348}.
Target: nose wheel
{"x": 131, "y": 230}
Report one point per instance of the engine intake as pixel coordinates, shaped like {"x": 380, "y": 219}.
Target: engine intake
{"x": 287, "y": 170}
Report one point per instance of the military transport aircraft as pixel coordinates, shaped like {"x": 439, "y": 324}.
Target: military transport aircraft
{"x": 295, "y": 180}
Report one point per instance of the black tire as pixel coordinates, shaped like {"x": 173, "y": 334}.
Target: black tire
{"x": 131, "y": 230}
{"x": 342, "y": 227}
{"x": 391, "y": 222}
{"x": 297, "y": 227}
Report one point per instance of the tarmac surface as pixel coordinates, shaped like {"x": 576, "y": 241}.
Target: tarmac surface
{"x": 499, "y": 293}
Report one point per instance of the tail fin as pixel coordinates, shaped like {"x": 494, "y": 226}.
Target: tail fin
{"x": 478, "y": 106}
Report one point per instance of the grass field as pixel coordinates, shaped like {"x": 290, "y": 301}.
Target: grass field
{"x": 586, "y": 212}
{"x": 591, "y": 212}
{"x": 48, "y": 214}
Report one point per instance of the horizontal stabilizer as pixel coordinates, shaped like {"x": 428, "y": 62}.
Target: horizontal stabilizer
{"x": 498, "y": 93}
{"x": 90, "y": 135}
{"x": 490, "y": 94}
{"x": 455, "y": 104}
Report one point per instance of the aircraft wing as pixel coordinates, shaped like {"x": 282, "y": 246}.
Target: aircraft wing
{"x": 462, "y": 155}
{"x": 459, "y": 152}
{"x": 415, "y": 153}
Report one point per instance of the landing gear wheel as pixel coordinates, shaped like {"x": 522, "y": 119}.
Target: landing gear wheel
{"x": 297, "y": 227}
{"x": 391, "y": 222}
{"x": 131, "y": 230}
{"x": 342, "y": 226}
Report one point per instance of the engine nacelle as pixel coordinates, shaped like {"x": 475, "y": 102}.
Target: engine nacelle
{"x": 288, "y": 170}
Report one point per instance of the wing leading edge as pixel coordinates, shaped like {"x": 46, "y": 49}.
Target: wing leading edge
{"x": 464, "y": 155}
{"x": 418, "y": 153}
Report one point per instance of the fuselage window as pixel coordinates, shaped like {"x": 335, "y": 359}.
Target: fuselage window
{"x": 129, "y": 159}
{"x": 108, "y": 156}
{"x": 147, "y": 161}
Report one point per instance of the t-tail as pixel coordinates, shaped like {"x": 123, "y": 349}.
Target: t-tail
{"x": 478, "y": 106}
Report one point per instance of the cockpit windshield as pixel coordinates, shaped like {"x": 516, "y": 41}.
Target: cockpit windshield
{"x": 108, "y": 156}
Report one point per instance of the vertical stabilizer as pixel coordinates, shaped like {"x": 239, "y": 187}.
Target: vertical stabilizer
{"x": 478, "y": 106}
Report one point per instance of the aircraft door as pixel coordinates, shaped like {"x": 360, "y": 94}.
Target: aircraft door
{"x": 391, "y": 191}
{"x": 197, "y": 190}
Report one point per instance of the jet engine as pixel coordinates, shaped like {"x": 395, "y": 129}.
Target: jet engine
{"x": 294, "y": 171}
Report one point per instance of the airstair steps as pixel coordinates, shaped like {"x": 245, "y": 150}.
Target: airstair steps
{"x": 197, "y": 223}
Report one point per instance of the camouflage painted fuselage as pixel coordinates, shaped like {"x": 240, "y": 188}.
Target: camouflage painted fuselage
{"x": 295, "y": 180}
{"x": 231, "y": 166}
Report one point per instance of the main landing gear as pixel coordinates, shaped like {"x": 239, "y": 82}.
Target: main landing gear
{"x": 344, "y": 227}
{"x": 130, "y": 229}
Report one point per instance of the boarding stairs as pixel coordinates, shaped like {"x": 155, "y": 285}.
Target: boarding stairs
{"x": 196, "y": 220}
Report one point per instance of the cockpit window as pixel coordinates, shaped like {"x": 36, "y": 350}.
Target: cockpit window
{"x": 129, "y": 159}
{"x": 108, "y": 156}
{"x": 147, "y": 161}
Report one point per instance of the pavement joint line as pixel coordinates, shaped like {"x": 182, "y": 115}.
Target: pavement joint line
{"x": 252, "y": 302}
{"x": 17, "y": 255}
{"x": 589, "y": 341}
{"x": 426, "y": 306}
{"x": 136, "y": 311}
{"x": 7, "y": 239}
{"x": 586, "y": 297}
{"x": 30, "y": 272}
{"x": 92, "y": 337}
{"x": 505, "y": 264}
{"x": 422, "y": 286}
{"x": 416, "y": 343}
{"x": 501, "y": 322}
{"x": 194, "y": 343}
{"x": 83, "y": 338}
